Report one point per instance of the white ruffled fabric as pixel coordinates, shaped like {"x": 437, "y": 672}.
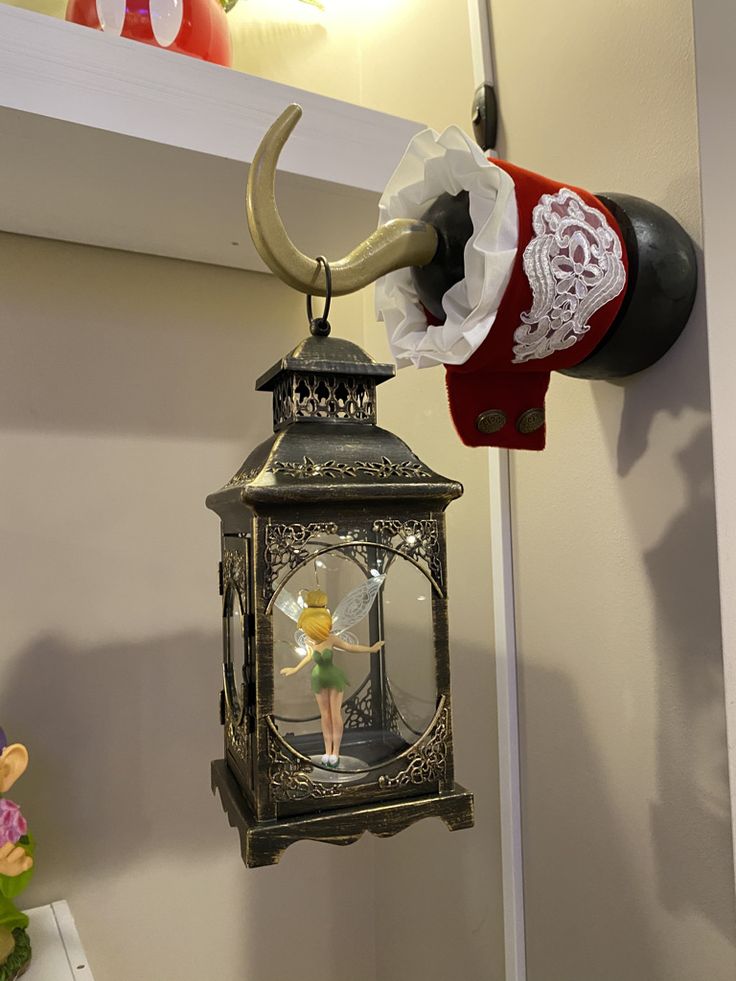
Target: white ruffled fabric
{"x": 431, "y": 166}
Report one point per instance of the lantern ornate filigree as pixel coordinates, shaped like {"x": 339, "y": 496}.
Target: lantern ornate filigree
{"x": 337, "y": 517}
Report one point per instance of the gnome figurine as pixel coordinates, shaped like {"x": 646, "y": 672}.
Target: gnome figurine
{"x": 16, "y": 865}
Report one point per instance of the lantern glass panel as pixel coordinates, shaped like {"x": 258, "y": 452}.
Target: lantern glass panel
{"x": 234, "y": 641}
{"x": 390, "y": 696}
{"x": 410, "y": 663}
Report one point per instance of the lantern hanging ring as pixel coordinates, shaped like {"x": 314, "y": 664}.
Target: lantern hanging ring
{"x": 320, "y": 326}
{"x": 399, "y": 243}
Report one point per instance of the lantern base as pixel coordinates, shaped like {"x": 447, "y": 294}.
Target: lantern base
{"x": 263, "y": 843}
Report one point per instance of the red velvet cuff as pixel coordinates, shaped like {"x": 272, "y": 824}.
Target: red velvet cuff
{"x": 494, "y": 408}
{"x": 495, "y": 398}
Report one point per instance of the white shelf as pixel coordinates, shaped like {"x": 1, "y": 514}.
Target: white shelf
{"x": 114, "y": 143}
{"x": 57, "y": 952}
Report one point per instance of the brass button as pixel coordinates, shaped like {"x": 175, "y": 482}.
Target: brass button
{"x": 530, "y": 421}
{"x": 490, "y": 421}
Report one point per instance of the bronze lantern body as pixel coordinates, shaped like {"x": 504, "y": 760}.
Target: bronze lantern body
{"x": 331, "y": 498}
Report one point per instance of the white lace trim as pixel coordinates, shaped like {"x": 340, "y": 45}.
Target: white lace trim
{"x": 573, "y": 264}
{"x": 432, "y": 165}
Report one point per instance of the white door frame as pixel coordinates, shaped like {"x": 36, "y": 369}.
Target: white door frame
{"x": 504, "y": 614}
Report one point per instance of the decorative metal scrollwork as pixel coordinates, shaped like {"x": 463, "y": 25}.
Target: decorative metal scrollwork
{"x": 233, "y": 569}
{"x": 289, "y": 777}
{"x": 243, "y": 475}
{"x": 312, "y": 396}
{"x": 358, "y": 710}
{"x": 385, "y": 468}
{"x": 380, "y": 469}
{"x": 286, "y": 548}
{"x": 427, "y": 762}
{"x": 236, "y": 738}
{"x": 309, "y": 468}
{"x": 420, "y": 540}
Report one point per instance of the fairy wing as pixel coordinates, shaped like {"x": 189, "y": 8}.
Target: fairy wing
{"x": 293, "y": 609}
{"x": 352, "y": 608}
{"x": 301, "y": 639}
{"x": 288, "y": 604}
{"x": 348, "y": 637}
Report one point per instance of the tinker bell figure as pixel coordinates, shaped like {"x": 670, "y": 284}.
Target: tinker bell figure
{"x": 320, "y": 635}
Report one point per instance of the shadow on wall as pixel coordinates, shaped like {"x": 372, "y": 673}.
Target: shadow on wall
{"x": 309, "y": 919}
{"x": 125, "y": 737}
{"x": 683, "y": 570}
{"x": 679, "y": 381}
{"x": 451, "y": 878}
{"x": 571, "y": 823}
{"x": 120, "y": 779}
{"x": 691, "y": 721}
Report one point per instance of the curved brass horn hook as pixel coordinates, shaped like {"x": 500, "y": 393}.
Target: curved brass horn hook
{"x": 398, "y": 243}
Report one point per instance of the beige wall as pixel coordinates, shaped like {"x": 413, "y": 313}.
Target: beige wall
{"x": 626, "y": 809}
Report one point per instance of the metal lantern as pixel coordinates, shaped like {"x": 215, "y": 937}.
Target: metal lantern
{"x": 335, "y": 507}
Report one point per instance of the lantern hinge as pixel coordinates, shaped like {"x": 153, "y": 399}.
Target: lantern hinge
{"x": 250, "y": 619}
{"x": 220, "y": 585}
{"x": 222, "y": 707}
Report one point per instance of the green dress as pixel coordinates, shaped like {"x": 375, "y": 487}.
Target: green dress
{"x": 10, "y": 886}
{"x": 325, "y": 674}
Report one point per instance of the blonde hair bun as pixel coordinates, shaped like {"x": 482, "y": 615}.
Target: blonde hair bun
{"x": 315, "y": 599}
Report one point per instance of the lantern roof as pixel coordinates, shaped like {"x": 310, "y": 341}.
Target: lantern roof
{"x": 325, "y": 356}
{"x": 326, "y": 446}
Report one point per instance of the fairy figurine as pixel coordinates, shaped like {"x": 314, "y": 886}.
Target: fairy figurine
{"x": 320, "y": 634}
{"x": 16, "y": 865}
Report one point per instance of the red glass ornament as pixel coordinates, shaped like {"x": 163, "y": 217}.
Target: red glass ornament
{"x": 197, "y": 28}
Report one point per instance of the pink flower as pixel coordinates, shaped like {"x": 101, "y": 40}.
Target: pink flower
{"x": 12, "y": 823}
